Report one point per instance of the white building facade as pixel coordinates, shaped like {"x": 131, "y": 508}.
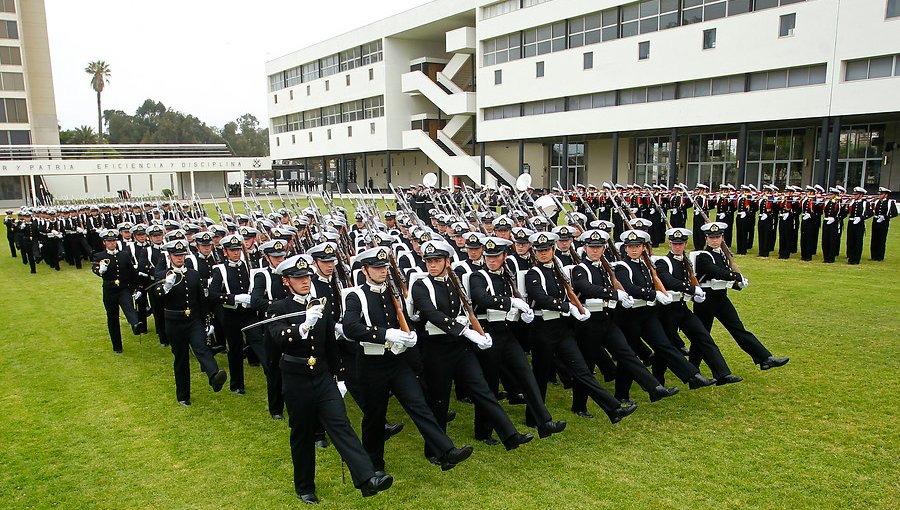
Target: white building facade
{"x": 585, "y": 91}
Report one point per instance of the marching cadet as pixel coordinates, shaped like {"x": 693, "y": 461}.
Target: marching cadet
{"x": 595, "y": 288}
{"x": 474, "y": 260}
{"x": 186, "y": 302}
{"x": 641, "y": 320}
{"x": 858, "y": 211}
{"x": 230, "y": 289}
{"x": 701, "y": 202}
{"x": 136, "y": 251}
{"x": 553, "y": 335}
{"x": 788, "y": 214}
{"x": 28, "y": 232}
{"x": 565, "y": 234}
{"x": 150, "y": 260}
{"x": 745, "y": 221}
{"x": 495, "y": 302}
{"x": 767, "y": 226}
{"x": 833, "y": 226}
{"x": 10, "y": 222}
{"x": 715, "y": 278}
{"x": 884, "y": 209}
{"x": 449, "y": 354}
{"x": 265, "y": 290}
{"x": 810, "y": 221}
{"x": 674, "y": 272}
{"x": 372, "y": 320}
{"x": 309, "y": 363}
{"x": 119, "y": 288}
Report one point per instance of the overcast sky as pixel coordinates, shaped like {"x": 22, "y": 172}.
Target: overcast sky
{"x": 202, "y": 57}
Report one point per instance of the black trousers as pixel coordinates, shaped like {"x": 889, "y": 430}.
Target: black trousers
{"x": 115, "y": 297}
{"x": 718, "y": 306}
{"x": 879, "y": 238}
{"x": 831, "y": 239}
{"x": 678, "y": 316}
{"x": 351, "y": 368}
{"x": 314, "y": 399}
{"x": 450, "y": 358}
{"x": 744, "y": 235}
{"x": 600, "y": 334}
{"x": 855, "y": 235}
{"x": 256, "y": 342}
{"x": 234, "y": 320}
{"x": 699, "y": 236}
{"x": 274, "y": 383}
{"x": 787, "y": 238}
{"x": 189, "y": 334}
{"x": 556, "y": 339}
{"x": 29, "y": 257}
{"x": 157, "y": 305}
{"x": 507, "y": 355}
{"x": 12, "y": 245}
{"x": 381, "y": 376}
{"x": 643, "y": 323}
{"x": 809, "y": 230}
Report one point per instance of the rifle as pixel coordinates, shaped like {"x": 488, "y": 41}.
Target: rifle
{"x": 687, "y": 263}
{"x": 657, "y": 283}
{"x": 234, "y": 216}
{"x": 725, "y": 249}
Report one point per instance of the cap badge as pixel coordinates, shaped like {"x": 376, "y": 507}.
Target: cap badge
{"x": 429, "y": 249}
{"x": 382, "y": 254}
{"x": 632, "y": 236}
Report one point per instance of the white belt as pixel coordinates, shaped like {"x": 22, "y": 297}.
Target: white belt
{"x": 372, "y": 349}
{"x": 715, "y": 284}
{"x": 550, "y": 315}
{"x": 595, "y": 304}
{"x": 678, "y": 296}
{"x": 639, "y": 303}
{"x": 431, "y": 329}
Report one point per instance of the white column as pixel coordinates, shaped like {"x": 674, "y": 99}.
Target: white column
{"x": 34, "y": 201}
{"x": 193, "y": 187}
{"x": 242, "y": 183}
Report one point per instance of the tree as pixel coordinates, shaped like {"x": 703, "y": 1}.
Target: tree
{"x": 100, "y": 73}
{"x": 83, "y": 135}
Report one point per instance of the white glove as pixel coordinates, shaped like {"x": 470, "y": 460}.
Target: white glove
{"x": 103, "y": 267}
{"x": 829, "y": 220}
{"x": 743, "y": 214}
{"x": 145, "y": 275}
{"x": 339, "y": 329}
{"x": 625, "y": 298}
{"x": 879, "y": 218}
{"x": 721, "y": 216}
{"x": 80, "y": 230}
{"x": 398, "y": 336}
{"x": 785, "y": 216}
{"x": 743, "y": 283}
{"x": 763, "y": 216}
{"x": 312, "y": 317}
{"x": 652, "y": 210}
{"x": 398, "y": 348}
{"x": 342, "y": 388}
{"x": 527, "y": 317}
{"x": 137, "y": 295}
{"x": 857, "y": 219}
{"x": 242, "y": 299}
{"x": 519, "y": 304}
{"x": 210, "y": 330}
{"x": 806, "y": 216}
{"x": 699, "y": 295}
{"x": 414, "y": 317}
{"x": 169, "y": 282}
{"x": 482, "y": 341}
{"x": 663, "y": 297}
{"x": 573, "y": 310}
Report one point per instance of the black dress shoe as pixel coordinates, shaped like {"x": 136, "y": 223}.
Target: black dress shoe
{"x": 239, "y": 391}
{"x": 627, "y": 401}
{"x": 454, "y": 457}
{"x": 322, "y": 444}
{"x": 583, "y": 414}
{"x": 661, "y": 392}
{"x": 376, "y": 484}
{"x": 309, "y": 499}
{"x": 451, "y": 415}
{"x": 700, "y": 381}
{"x": 117, "y": 351}
{"x": 392, "y": 429}
{"x": 185, "y": 403}
{"x": 517, "y": 399}
{"x": 218, "y": 380}
{"x": 434, "y": 460}
{"x": 277, "y": 417}
{"x": 616, "y": 415}
{"x": 551, "y": 427}
{"x": 465, "y": 400}
{"x": 728, "y": 379}
{"x": 490, "y": 441}
{"x": 773, "y": 362}
{"x": 514, "y": 441}
{"x": 685, "y": 351}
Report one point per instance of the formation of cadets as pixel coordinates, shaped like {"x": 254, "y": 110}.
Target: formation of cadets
{"x": 454, "y": 288}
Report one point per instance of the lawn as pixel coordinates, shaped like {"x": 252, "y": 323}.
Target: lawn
{"x": 84, "y": 428}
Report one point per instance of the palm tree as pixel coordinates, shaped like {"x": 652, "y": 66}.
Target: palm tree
{"x": 99, "y": 72}
{"x": 83, "y": 135}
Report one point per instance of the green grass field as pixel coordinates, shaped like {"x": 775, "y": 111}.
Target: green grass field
{"x": 84, "y": 428}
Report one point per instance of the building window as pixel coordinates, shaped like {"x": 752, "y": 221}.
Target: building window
{"x": 498, "y": 9}
{"x": 291, "y": 95}
{"x": 310, "y": 71}
{"x": 347, "y": 80}
{"x": 786, "y": 25}
{"x": 544, "y": 39}
{"x": 584, "y": 30}
{"x": 860, "y": 157}
{"x": 276, "y": 98}
{"x": 503, "y": 112}
{"x": 327, "y": 85}
{"x": 373, "y": 107}
{"x": 371, "y": 74}
{"x": 8, "y": 6}
{"x": 350, "y": 59}
{"x": 349, "y": 131}
{"x": 351, "y": 111}
{"x": 588, "y": 60}
{"x": 498, "y": 77}
{"x": 329, "y": 133}
{"x": 574, "y": 163}
{"x": 277, "y": 142}
{"x": 371, "y": 128}
{"x": 12, "y": 81}
{"x": 739, "y": 7}
{"x": 869, "y": 68}
{"x": 9, "y": 30}
{"x": 292, "y": 77}
{"x": 330, "y": 65}
{"x": 644, "y": 50}
{"x": 276, "y": 81}
{"x": 371, "y": 52}
{"x": 13, "y": 110}
{"x": 310, "y": 136}
{"x": 311, "y": 118}
{"x": 294, "y": 121}
{"x": 711, "y": 159}
{"x": 279, "y": 125}
{"x": 539, "y": 69}
{"x": 893, "y": 9}
{"x": 12, "y": 56}
{"x": 331, "y": 114}
{"x": 502, "y": 49}
{"x": 307, "y": 90}
{"x": 709, "y": 39}
{"x": 293, "y": 139}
